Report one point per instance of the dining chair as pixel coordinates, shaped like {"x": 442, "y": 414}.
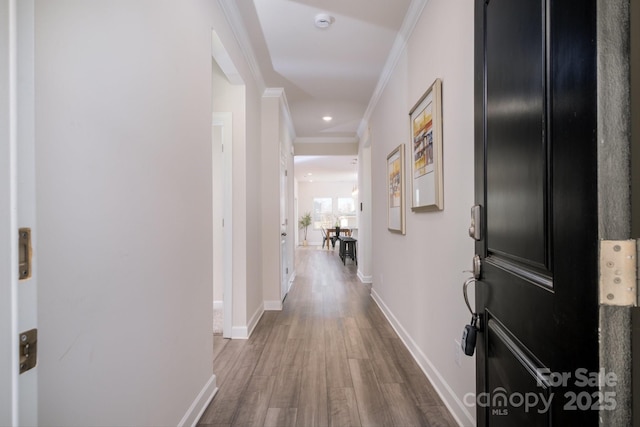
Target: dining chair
{"x": 334, "y": 238}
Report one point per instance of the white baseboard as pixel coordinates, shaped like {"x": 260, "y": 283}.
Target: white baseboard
{"x": 363, "y": 278}
{"x": 239, "y": 333}
{"x": 200, "y": 404}
{"x": 244, "y": 332}
{"x": 457, "y": 408}
{"x": 273, "y": 305}
{"x": 218, "y": 305}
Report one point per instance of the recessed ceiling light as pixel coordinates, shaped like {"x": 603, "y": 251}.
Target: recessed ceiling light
{"x": 327, "y": 118}
{"x": 323, "y": 20}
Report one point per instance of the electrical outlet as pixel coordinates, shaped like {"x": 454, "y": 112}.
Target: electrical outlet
{"x": 457, "y": 352}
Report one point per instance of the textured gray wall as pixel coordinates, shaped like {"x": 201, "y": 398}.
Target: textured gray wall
{"x": 635, "y": 117}
{"x": 635, "y": 190}
{"x": 614, "y": 195}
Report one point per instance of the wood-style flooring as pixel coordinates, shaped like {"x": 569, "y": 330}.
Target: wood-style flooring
{"x": 329, "y": 358}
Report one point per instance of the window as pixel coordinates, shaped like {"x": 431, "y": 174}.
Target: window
{"x": 327, "y": 212}
{"x": 322, "y": 212}
{"x": 347, "y": 211}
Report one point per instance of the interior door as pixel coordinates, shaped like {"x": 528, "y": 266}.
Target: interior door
{"x": 222, "y": 150}
{"x": 535, "y": 179}
{"x": 284, "y": 259}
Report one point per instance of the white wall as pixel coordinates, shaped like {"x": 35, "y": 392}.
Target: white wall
{"x": 251, "y": 242}
{"x": 306, "y": 193}
{"x": 123, "y": 160}
{"x": 276, "y": 143}
{"x": 270, "y": 193}
{"x": 418, "y": 277}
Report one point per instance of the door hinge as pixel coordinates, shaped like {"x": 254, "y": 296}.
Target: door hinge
{"x": 286, "y": 173}
{"x": 25, "y": 253}
{"x": 618, "y": 273}
{"x": 28, "y": 350}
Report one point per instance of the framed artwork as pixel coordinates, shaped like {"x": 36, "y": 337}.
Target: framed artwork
{"x": 427, "y": 191}
{"x": 395, "y": 189}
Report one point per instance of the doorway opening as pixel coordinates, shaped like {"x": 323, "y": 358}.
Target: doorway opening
{"x": 228, "y": 102}
{"x": 327, "y": 188}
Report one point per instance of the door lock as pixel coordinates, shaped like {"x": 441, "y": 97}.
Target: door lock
{"x": 475, "y": 229}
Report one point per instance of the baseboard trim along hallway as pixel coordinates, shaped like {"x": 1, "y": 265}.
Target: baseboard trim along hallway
{"x": 200, "y": 404}
{"x": 457, "y": 408}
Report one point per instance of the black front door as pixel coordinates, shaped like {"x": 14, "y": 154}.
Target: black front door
{"x": 535, "y": 138}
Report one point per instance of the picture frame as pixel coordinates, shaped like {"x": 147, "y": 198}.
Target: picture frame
{"x": 425, "y": 121}
{"x": 396, "y": 190}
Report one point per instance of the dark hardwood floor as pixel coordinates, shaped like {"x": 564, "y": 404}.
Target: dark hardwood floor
{"x": 329, "y": 358}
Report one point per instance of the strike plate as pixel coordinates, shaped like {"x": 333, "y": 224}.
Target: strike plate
{"x": 618, "y": 280}
{"x": 28, "y": 350}
{"x": 25, "y": 253}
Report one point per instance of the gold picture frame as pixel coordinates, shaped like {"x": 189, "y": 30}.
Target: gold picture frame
{"x": 395, "y": 190}
{"x": 427, "y": 190}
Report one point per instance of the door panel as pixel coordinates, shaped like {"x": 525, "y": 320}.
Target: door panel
{"x": 535, "y": 178}
{"x": 512, "y": 370}
{"x": 516, "y": 155}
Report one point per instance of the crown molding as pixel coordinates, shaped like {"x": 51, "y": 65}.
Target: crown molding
{"x": 224, "y": 61}
{"x": 273, "y": 92}
{"x": 329, "y": 140}
{"x": 278, "y": 92}
{"x": 408, "y": 25}
{"x": 232, "y": 14}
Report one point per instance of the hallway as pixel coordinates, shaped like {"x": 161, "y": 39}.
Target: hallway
{"x": 329, "y": 358}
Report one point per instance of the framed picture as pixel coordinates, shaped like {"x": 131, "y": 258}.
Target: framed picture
{"x": 427, "y": 191}
{"x": 395, "y": 189}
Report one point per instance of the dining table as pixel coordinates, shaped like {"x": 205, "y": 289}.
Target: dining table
{"x": 346, "y": 231}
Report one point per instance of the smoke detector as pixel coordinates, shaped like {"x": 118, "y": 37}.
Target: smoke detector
{"x": 324, "y": 20}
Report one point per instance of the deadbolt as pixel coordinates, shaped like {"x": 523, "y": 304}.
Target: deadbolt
{"x": 475, "y": 229}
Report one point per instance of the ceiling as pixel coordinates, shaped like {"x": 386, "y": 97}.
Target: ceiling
{"x": 333, "y": 71}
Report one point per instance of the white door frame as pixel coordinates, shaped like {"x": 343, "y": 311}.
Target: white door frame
{"x": 9, "y": 391}
{"x": 28, "y": 288}
{"x": 224, "y": 203}
{"x": 19, "y": 392}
